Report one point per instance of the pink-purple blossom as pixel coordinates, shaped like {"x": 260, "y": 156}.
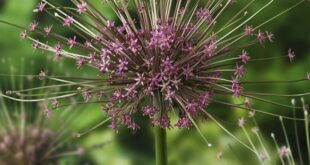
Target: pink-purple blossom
{"x": 248, "y": 30}
{"x": 33, "y": 26}
{"x": 48, "y": 29}
{"x": 261, "y": 37}
{"x": 244, "y": 57}
{"x": 184, "y": 123}
{"x": 68, "y": 21}
{"x": 41, "y": 6}
{"x": 291, "y": 55}
{"x": 182, "y": 57}
{"x": 239, "y": 70}
{"x": 23, "y": 34}
{"x": 80, "y": 61}
{"x": 82, "y": 7}
{"x": 72, "y": 42}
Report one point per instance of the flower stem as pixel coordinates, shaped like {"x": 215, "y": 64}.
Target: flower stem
{"x": 160, "y": 146}
{"x": 160, "y": 135}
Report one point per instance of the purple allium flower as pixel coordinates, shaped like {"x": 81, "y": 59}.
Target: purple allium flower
{"x": 113, "y": 125}
{"x": 204, "y": 99}
{"x": 122, "y": 65}
{"x": 28, "y": 141}
{"x": 80, "y": 61}
{"x": 162, "y": 121}
{"x": 23, "y": 34}
{"x": 72, "y": 42}
{"x": 203, "y": 13}
{"x": 48, "y": 29}
{"x": 248, "y": 30}
{"x": 236, "y": 87}
{"x": 284, "y": 151}
{"x": 82, "y": 7}
{"x": 244, "y": 57}
{"x": 184, "y": 123}
{"x": 41, "y": 6}
{"x": 87, "y": 95}
{"x": 33, "y": 26}
{"x": 35, "y": 45}
{"x": 92, "y": 58}
{"x": 174, "y": 53}
{"x": 291, "y": 55}
{"x": 110, "y": 24}
{"x": 239, "y": 70}
{"x": 308, "y": 76}
{"x": 68, "y": 21}
{"x": 270, "y": 36}
{"x": 261, "y": 37}
{"x": 150, "y": 110}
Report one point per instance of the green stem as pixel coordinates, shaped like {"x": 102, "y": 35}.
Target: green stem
{"x": 160, "y": 146}
{"x": 160, "y": 135}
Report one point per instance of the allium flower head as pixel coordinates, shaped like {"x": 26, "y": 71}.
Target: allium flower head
{"x": 173, "y": 50}
{"x": 32, "y": 133}
{"x": 27, "y": 142}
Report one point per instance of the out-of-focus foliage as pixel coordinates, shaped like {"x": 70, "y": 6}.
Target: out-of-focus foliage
{"x": 185, "y": 147}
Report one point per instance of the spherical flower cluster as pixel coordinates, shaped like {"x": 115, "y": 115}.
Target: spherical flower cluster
{"x": 172, "y": 53}
{"x": 28, "y": 142}
{"x": 17, "y": 148}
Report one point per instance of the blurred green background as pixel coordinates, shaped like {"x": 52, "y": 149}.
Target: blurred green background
{"x": 185, "y": 147}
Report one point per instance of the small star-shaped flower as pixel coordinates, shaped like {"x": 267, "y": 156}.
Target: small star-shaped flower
{"x": 291, "y": 55}
{"x": 261, "y": 37}
{"x": 41, "y": 6}
{"x": 33, "y": 25}
{"x": 82, "y": 7}
{"x": 68, "y": 21}
{"x": 241, "y": 122}
{"x": 72, "y": 42}
{"x": 244, "y": 57}
{"x": 270, "y": 36}
{"x": 47, "y": 30}
{"x": 239, "y": 70}
{"x": 23, "y": 34}
{"x": 248, "y": 30}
